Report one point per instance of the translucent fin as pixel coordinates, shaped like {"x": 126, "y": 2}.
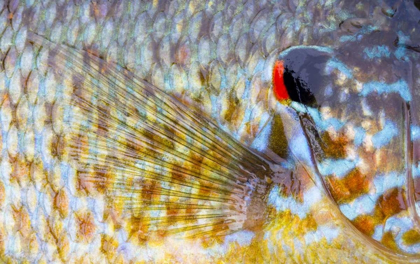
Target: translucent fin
{"x": 173, "y": 169}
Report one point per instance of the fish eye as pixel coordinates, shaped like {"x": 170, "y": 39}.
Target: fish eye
{"x": 298, "y": 73}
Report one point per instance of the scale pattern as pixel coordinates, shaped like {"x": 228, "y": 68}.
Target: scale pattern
{"x": 214, "y": 56}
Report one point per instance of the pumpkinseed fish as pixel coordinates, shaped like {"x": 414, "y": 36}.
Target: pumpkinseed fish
{"x": 210, "y": 131}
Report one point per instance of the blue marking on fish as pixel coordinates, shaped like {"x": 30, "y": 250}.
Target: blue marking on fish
{"x": 243, "y": 238}
{"x": 357, "y": 36}
{"x": 415, "y": 132}
{"x": 383, "y": 137}
{"x": 388, "y": 181}
{"x": 339, "y": 65}
{"x": 377, "y": 235}
{"x": 360, "y": 135}
{"x": 281, "y": 204}
{"x": 400, "y": 53}
{"x": 416, "y": 171}
{"x": 377, "y": 52}
{"x": 260, "y": 143}
{"x": 322, "y": 49}
{"x": 400, "y": 87}
{"x": 339, "y": 168}
{"x": 324, "y": 124}
{"x": 322, "y": 231}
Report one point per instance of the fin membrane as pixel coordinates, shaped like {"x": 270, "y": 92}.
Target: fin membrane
{"x": 171, "y": 168}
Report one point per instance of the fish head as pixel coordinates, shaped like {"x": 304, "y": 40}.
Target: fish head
{"x": 348, "y": 114}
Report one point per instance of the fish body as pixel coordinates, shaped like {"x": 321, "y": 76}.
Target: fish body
{"x": 150, "y": 131}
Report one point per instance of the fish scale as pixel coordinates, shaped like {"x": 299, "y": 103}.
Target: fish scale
{"x": 207, "y": 54}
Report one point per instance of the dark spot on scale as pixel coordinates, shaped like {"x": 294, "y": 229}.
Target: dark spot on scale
{"x": 335, "y": 149}
{"x": 204, "y": 76}
{"x": 388, "y": 240}
{"x": 278, "y": 141}
{"x": 365, "y": 224}
{"x": 352, "y": 186}
{"x": 58, "y": 146}
{"x": 391, "y": 202}
{"x": 411, "y": 237}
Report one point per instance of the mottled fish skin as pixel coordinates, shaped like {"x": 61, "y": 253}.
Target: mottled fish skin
{"x": 366, "y": 156}
{"x": 217, "y": 58}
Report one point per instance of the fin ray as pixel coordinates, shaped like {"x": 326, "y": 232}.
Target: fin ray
{"x": 174, "y": 169}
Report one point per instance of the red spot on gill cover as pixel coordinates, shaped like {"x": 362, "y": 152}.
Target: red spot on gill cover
{"x": 280, "y": 90}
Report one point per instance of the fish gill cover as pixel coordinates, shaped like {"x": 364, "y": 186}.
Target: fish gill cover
{"x": 209, "y": 131}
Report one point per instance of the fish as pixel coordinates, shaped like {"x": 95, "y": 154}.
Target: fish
{"x": 209, "y": 131}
